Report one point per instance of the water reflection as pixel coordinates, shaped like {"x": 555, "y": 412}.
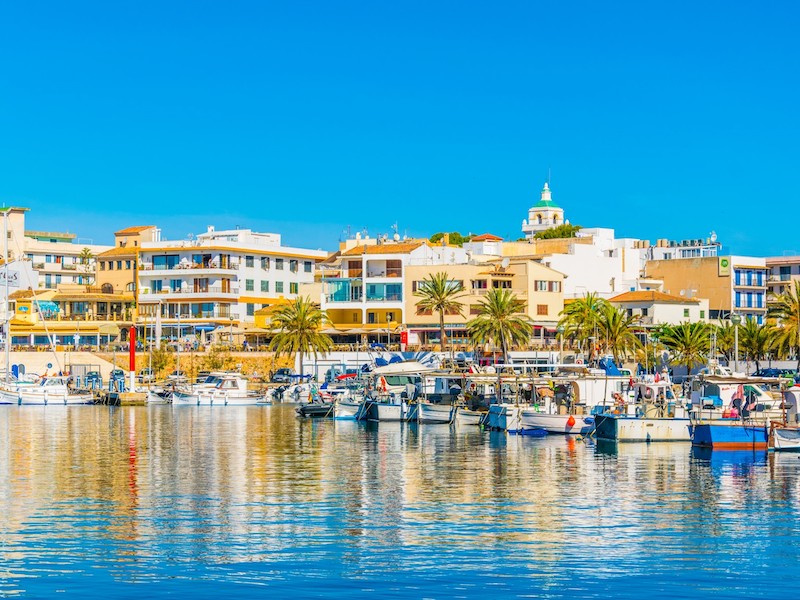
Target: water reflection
{"x": 238, "y": 498}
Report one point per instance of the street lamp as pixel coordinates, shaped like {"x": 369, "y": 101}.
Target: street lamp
{"x": 736, "y": 319}
{"x": 560, "y": 333}
{"x": 231, "y": 318}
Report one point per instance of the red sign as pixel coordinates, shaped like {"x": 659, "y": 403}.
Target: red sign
{"x": 403, "y": 337}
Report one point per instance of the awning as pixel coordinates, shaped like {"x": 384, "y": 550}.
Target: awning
{"x": 205, "y": 327}
{"x": 108, "y": 329}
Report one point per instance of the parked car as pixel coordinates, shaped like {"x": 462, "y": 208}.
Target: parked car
{"x": 146, "y": 375}
{"x": 282, "y": 376}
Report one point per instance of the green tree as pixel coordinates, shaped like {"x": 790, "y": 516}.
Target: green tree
{"x": 85, "y": 259}
{"x": 438, "y": 293}
{"x": 297, "y": 326}
{"x": 454, "y": 238}
{"x": 581, "y": 320}
{"x": 618, "y": 331}
{"x": 688, "y": 342}
{"x": 725, "y": 339}
{"x": 785, "y": 309}
{"x": 756, "y": 340}
{"x": 501, "y": 321}
{"x": 160, "y": 359}
{"x": 565, "y": 230}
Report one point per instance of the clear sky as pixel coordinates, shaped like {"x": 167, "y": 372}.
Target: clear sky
{"x": 659, "y": 119}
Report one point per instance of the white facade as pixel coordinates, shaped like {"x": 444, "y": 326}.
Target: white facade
{"x": 657, "y": 308}
{"x": 545, "y": 214}
{"x": 221, "y": 276}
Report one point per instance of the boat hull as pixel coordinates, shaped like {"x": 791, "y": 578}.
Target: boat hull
{"x": 622, "y": 428}
{"x": 786, "y": 439}
{"x": 349, "y": 410}
{"x": 464, "y": 416}
{"x": 434, "y": 413}
{"x": 504, "y": 417}
{"x": 579, "y": 424}
{"x": 318, "y": 410}
{"x": 730, "y": 435}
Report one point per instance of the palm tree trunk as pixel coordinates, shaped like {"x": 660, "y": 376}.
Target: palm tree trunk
{"x": 441, "y": 329}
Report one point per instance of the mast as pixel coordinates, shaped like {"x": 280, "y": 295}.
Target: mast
{"x": 6, "y": 316}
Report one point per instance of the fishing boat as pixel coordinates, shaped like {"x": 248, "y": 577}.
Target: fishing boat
{"x": 49, "y": 390}
{"x": 429, "y": 412}
{"x": 654, "y": 416}
{"x": 158, "y": 396}
{"x": 730, "y": 434}
{"x": 785, "y": 434}
{"x": 317, "y": 409}
{"x": 230, "y": 390}
{"x": 392, "y": 390}
{"x": 556, "y": 413}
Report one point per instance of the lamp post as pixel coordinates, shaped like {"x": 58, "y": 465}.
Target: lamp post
{"x": 560, "y": 333}
{"x": 231, "y": 318}
{"x": 736, "y": 319}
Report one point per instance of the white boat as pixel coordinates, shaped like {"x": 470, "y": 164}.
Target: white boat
{"x": 349, "y": 409}
{"x": 230, "y": 390}
{"x": 49, "y": 390}
{"x": 428, "y": 412}
{"x": 785, "y": 439}
{"x": 465, "y": 416}
{"x": 534, "y": 418}
{"x": 158, "y": 397}
{"x": 655, "y": 416}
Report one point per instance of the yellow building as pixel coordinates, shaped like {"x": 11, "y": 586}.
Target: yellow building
{"x": 116, "y": 268}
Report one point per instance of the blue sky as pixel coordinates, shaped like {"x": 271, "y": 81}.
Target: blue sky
{"x": 659, "y": 119}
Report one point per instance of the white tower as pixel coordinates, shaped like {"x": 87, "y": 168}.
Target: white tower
{"x": 543, "y": 215}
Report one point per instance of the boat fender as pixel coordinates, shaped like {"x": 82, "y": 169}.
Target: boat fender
{"x": 648, "y": 393}
{"x": 578, "y": 361}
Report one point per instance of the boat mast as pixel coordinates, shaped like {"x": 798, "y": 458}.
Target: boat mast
{"x": 6, "y": 316}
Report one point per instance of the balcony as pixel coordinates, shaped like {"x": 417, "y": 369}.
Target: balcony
{"x": 191, "y": 267}
{"x": 188, "y": 294}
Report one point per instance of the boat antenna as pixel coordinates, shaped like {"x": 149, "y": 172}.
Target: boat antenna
{"x": 6, "y": 315}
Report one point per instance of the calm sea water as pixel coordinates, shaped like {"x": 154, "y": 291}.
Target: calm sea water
{"x": 253, "y": 502}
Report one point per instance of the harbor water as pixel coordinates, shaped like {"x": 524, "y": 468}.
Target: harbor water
{"x": 201, "y": 502}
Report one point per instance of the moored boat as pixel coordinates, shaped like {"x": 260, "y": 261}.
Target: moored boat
{"x": 730, "y": 434}
{"x": 429, "y": 412}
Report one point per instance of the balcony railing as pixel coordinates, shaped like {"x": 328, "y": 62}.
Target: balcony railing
{"x": 189, "y": 267}
{"x": 211, "y": 290}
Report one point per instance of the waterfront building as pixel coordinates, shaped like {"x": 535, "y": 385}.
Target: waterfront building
{"x": 365, "y": 286}
{"x": 219, "y": 277}
{"x": 783, "y": 270}
{"x": 57, "y": 257}
{"x": 656, "y": 308}
{"x": 538, "y": 286}
{"x": 117, "y": 267}
{"x": 732, "y": 284}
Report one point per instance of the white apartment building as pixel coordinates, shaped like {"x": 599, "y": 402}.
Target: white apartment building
{"x": 220, "y": 277}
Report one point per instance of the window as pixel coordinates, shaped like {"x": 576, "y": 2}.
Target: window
{"x": 644, "y": 312}
{"x": 504, "y": 285}
{"x": 541, "y": 309}
{"x": 424, "y": 312}
{"x": 175, "y": 285}
{"x": 293, "y": 286}
{"x": 128, "y": 265}
{"x": 48, "y": 280}
{"x": 686, "y": 313}
{"x": 119, "y": 265}
{"x": 102, "y": 265}
{"x": 474, "y": 309}
{"x": 265, "y": 263}
{"x": 279, "y": 287}
{"x": 249, "y": 262}
{"x": 249, "y": 286}
{"x": 554, "y": 286}
{"x": 111, "y": 265}
{"x": 201, "y": 285}
{"x": 293, "y": 266}
{"x": 478, "y": 284}
{"x": 307, "y": 266}
{"x": 265, "y": 286}
{"x": 157, "y": 285}
{"x": 279, "y": 264}
{"x": 372, "y": 318}
{"x": 58, "y": 279}
{"x": 702, "y": 314}
{"x": 251, "y": 309}
{"x": 48, "y": 258}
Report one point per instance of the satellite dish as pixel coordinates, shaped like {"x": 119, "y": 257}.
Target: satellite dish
{"x": 505, "y": 262}
{"x": 713, "y": 237}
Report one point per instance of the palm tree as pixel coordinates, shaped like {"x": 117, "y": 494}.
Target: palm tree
{"x": 580, "y": 319}
{"x": 689, "y": 343}
{"x": 298, "y": 325}
{"x": 756, "y": 340}
{"x": 501, "y": 321}
{"x": 617, "y": 330}
{"x": 786, "y": 311}
{"x": 440, "y": 293}
{"x": 725, "y": 339}
{"x": 85, "y": 259}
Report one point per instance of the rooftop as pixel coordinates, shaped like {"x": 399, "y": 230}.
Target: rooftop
{"x": 651, "y": 296}
{"x": 134, "y": 230}
{"x": 486, "y": 237}
{"x": 389, "y": 248}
